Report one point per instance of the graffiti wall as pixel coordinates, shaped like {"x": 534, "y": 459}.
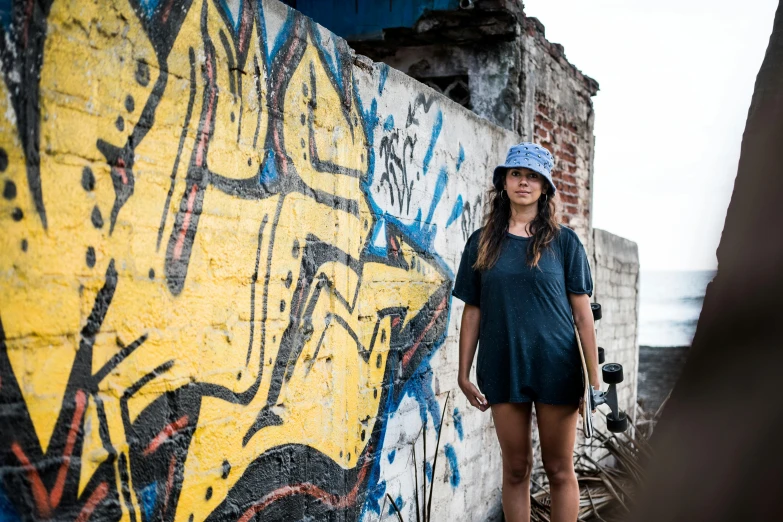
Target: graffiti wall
{"x": 225, "y": 262}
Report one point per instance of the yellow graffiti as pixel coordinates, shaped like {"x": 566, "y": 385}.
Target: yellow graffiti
{"x": 245, "y": 249}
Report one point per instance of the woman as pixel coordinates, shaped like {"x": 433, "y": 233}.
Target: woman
{"x": 525, "y": 281}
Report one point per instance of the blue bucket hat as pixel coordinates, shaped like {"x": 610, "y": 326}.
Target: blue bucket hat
{"x": 526, "y": 155}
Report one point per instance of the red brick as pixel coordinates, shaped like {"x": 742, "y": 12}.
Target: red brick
{"x": 547, "y": 124}
{"x": 570, "y": 158}
{"x": 569, "y": 199}
{"x": 542, "y": 133}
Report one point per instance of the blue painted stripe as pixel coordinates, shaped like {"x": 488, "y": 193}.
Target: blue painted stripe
{"x": 282, "y": 36}
{"x": 451, "y": 455}
{"x": 461, "y": 157}
{"x": 456, "y": 212}
{"x": 397, "y": 502}
{"x": 384, "y": 75}
{"x": 433, "y": 139}
{"x": 148, "y": 7}
{"x": 458, "y": 423}
{"x": 148, "y": 497}
{"x": 7, "y": 511}
{"x": 229, "y": 14}
{"x": 440, "y": 186}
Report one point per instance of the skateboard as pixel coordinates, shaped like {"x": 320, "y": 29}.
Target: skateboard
{"x": 612, "y": 374}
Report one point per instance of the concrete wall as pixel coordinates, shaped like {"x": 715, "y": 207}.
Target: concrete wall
{"x": 227, "y": 250}
{"x": 616, "y": 275}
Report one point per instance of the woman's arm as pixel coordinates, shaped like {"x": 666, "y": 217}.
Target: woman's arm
{"x": 583, "y": 319}
{"x": 468, "y": 339}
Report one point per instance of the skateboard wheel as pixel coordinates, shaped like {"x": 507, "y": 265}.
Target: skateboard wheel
{"x": 596, "y": 308}
{"x": 617, "y": 424}
{"x": 601, "y": 355}
{"x": 612, "y": 373}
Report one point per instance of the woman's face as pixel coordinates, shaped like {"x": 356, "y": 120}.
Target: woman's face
{"x": 524, "y": 186}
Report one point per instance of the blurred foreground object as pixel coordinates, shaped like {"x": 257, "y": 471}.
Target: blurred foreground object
{"x": 718, "y": 456}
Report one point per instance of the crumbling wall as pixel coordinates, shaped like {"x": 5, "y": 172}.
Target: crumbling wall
{"x": 558, "y": 114}
{"x": 523, "y": 83}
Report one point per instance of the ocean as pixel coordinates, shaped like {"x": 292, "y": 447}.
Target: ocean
{"x": 669, "y": 306}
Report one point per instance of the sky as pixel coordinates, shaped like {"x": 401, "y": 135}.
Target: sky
{"x": 676, "y": 79}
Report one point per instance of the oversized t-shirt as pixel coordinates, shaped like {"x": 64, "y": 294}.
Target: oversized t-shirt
{"x": 527, "y": 345}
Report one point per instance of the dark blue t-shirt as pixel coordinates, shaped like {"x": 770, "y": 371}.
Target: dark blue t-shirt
{"x": 527, "y": 344}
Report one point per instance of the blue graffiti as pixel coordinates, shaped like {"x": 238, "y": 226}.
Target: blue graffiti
{"x": 268, "y": 173}
{"x": 456, "y": 212}
{"x": 233, "y": 17}
{"x": 433, "y": 139}
{"x": 397, "y": 502}
{"x": 461, "y": 157}
{"x": 420, "y": 388}
{"x": 148, "y": 496}
{"x": 420, "y": 233}
{"x": 458, "y": 423}
{"x": 331, "y": 57}
{"x": 440, "y": 186}
{"x": 148, "y": 6}
{"x": 281, "y": 37}
{"x": 428, "y": 471}
{"x": 7, "y": 511}
{"x": 376, "y": 492}
{"x": 451, "y": 456}
{"x": 384, "y": 75}
{"x": 6, "y": 13}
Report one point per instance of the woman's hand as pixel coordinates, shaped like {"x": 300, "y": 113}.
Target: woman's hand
{"x": 582, "y": 403}
{"x": 473, "y": 394}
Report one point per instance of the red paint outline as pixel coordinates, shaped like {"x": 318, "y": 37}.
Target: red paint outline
{"x": 47, "y": 501}
{"x": 96, "y": 498}
{"x": 165, "y": 434}
{"x": 409, "y": 354}
{"x": 306, "y": 488}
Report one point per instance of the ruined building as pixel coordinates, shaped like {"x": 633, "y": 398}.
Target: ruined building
{"x": 487, "y": 56}
{"x": 228, "y": 244}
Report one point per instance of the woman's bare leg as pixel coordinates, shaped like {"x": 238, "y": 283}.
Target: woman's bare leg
{"x": 557, "y": 430}
{"x": 512, "y": 425}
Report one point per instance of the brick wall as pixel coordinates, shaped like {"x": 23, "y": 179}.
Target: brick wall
{"x": 559, "y": 114}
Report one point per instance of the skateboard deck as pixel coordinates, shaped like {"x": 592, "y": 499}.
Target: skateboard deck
{"x": 587, "y": 394}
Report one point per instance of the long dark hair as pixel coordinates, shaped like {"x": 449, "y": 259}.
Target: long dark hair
{"x": 544, "y": 229}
